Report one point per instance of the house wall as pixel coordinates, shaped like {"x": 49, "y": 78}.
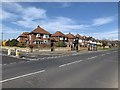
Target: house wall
{"x": 32, "y": 37}
{"x": 44, "y": 38}
{"x": 22, "y": 39}
{"x": 59, "y": 39}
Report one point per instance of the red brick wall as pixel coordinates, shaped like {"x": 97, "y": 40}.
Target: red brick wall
{"x": 22, "y": 39}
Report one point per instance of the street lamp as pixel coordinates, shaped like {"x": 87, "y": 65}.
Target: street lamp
{"x": 76, "y": 43}
{"x": 2, "y": 39}
{"x": 52, "y": 45}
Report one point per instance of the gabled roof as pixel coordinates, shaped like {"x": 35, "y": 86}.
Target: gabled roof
{"x": 58, "y": 34}
{"x": 40, "y": 30}
{"x": 78, "y": 35}
{"x": 71, "y": 36}
{"x": 24, "y": 34}
{"x": 84, "y": 37}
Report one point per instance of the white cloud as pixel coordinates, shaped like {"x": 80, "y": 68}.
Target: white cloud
{"x": 26, "y": 23}
{"x": 113, "y": 35}
{"x": 10, "y": 33}
{"x": 12, "y": 7}
{"x": 64, "y": 20}
{"x": 30, "y": 17}
{"x": 7, "y": 15}
{"x": 25, "y": 13}
{"x": 102, "y": 21}
{"x": 9, "y": 30}
{"x": 65, "y": 4}
{"x": 62, "y": 24}
{"x": 32, "y": 13}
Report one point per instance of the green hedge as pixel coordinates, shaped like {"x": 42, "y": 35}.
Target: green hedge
{"x": 60, "y": 44}
{"x": 22, "y": 45}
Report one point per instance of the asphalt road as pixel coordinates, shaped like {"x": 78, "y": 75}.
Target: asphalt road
{"x": 88, "y": 70}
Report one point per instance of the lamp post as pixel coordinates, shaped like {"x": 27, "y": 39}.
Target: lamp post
{"x": 76, "y": 43}
{"x": 2, "y": 39}
{"x": 52, "y": 45}
{"x": 2, "y": 36}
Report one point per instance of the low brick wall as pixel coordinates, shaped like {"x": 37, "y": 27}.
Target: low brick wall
{"x": 43, "y": 49}
{"x": 83, "y": 48}
{"x": 14, "y": 48}
{"x": 61, "y": 49}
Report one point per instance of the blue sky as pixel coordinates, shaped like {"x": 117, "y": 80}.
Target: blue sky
{"x": 97, "y": 19}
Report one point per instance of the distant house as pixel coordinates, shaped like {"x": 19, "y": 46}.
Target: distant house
{"x": 71, "y": 38}
{"x": 24, "y": 37}
{"x": 80, "y": 38}
{"x": 59, "y": 36}
{"x": 39, "y": 36}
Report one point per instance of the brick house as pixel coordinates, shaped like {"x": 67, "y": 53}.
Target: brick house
{"x": 24, "y": 37}
{"x": 71, "y": 39}
{"x": 39, "y": 36}
{"x": 59, "y": 36}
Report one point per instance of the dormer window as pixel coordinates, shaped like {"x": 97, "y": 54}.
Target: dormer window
{"x": 38, "y": 35}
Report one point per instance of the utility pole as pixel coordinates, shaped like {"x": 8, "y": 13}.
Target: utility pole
{"x": 2, "y": 40}
{"x": 2, "y": 36}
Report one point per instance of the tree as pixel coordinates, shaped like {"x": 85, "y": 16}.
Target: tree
{"x": 12, "y": 42}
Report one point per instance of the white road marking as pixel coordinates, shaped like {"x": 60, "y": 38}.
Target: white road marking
{"x": 4, "y": 64}
{"x": 92, "y": 57}
{"x": 70, "y": 63}
{"x": 21, "y": 76}
{"x": 103, "y": 55}
{"x": 108, "y": 53}
{"x": 13, "y": 63}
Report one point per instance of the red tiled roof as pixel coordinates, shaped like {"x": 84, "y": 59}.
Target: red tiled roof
{"x": 52, "y": 39}
{"x": 40, "y": 31}
{"x": 70, "y": 36}
{"x": 24, "y": 34}
{"x": 84, "y": 37}
{"x": 58, "y": 33}
{"x": 78, "y": 35}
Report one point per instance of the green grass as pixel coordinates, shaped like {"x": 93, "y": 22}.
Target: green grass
{"x": 107, "y": 48}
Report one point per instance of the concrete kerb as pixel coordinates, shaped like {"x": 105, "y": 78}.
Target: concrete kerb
{"x": 47, "y": 52}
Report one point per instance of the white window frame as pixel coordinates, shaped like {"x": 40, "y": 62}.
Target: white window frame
{"x": 61, "y": 38}
{"x": 45, "y": 36}
{"x": 38, "y": 35}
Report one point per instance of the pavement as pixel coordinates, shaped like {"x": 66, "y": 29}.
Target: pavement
{"x": 86, "y": 70}
{"x": 34, "y": 56}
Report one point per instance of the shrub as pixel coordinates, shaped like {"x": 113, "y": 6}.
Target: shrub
{"x": 12, "y": 42}
{"x": 60, "y": 44}
{"x": 20, "y": 44}
{"x": 4, "y": 43}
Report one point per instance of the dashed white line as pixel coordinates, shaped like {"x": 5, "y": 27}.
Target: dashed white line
{"x": 92, "y": 57}
{"x": 13, "y": 63}
{"x": 21, "y": 76}
{"x": 103, "y": 55}
{"x": 4, "y": 64}
{"x": 108, "y": 53}
{"x": 70, "y": 63}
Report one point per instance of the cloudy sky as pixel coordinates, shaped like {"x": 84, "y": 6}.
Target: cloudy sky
{"x": 99, "y": 20}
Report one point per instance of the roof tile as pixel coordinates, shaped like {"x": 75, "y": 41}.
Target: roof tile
{"x": 40, "y": 30}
